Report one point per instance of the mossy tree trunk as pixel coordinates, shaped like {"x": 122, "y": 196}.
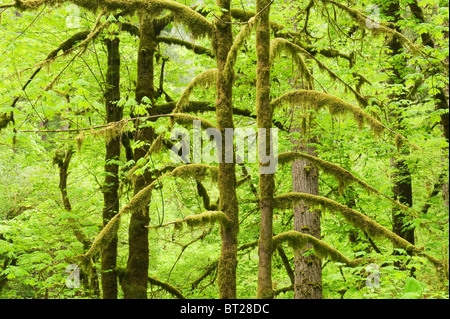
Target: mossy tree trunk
{"x": 264, "y": 120}
{"x": 114, "y": 113}
{"x": 402, "y": 188}
{"x": 307, "y": 269}
{"x": 440, "y": 98}
{"x": 223, "y": 40}
{"x": 136, "y": 277}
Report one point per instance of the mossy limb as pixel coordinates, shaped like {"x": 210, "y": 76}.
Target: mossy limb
{"x": 315, "y": 100}
{"x": 354, "y": 217}
{"x": 298, "y": 240}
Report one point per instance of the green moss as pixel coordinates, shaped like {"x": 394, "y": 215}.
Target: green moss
{"x": 354, "y": 217}
{"x": 188, "y": 120}
{"x": 315, "y": 100}
{"x": 238, "y": 42}
{"x": 279, "y": 45}
{"x": 297, "y": 240}
{"x": 203, "y": 219}
{"x": 205, "y": 79}
{"x": 197, "y": 171}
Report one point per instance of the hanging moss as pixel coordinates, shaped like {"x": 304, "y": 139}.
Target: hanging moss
{"x": 112, "y": 130}
{"x": 80, "y": 139}
{"x": 205, "y": 79}
{"x": 106, "y": 235}
{"x": 279, "y": 45}
{"x": 198, "y": 25}
{"x": 238, "y": 42}
{"x": 197, "y": 171}
{"x": 188, "y": 120}
{"x": 399, "y": 140}
{"x": 299, "y": 240}
{"x": 343, "y": 177}
{"x": 203, "y": 219}
{"x": 354, "y": 217}
{"x": 317, "y": 100}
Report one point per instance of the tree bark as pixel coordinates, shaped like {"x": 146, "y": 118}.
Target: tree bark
{"x": 264, "y": 121}
{"x": 223, "y": 40}
{"x": 136, "y": 277}
{"x": 307, "y": 269}
{"x": 114, "y": 113}
{"x": 401, "y": 178}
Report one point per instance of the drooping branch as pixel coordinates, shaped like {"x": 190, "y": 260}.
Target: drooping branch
{"x": 316, "y": 100}
{"x": 198, "y": 49}
{"x": 356, "y": 219}
{"x": 203, "y": 193}
{"x": 239, "y": 41}
{"x": 199, "y": 25}
{"x": 204, "y": 79}
{"x": 62, "y": 159}
{"x": 343, "y": 176}
{"x": 299, "y": 240}
{"x": 167, "y": 287}
{"x": 279, "y": 45}
{"x": 206, "y": 218}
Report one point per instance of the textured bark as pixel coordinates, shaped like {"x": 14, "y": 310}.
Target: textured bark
{"x": 402, "y": 188}
{"x": 226, "y": 275}
{"x": 308, "y": 270}
{"x": 264, "y": 120}
{"x": 440, "y": 98}
{"x": 110, "y": 189}
{"x": 136, "y": 278}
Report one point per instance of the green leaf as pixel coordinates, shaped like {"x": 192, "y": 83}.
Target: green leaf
{"x": 413, "y": 286}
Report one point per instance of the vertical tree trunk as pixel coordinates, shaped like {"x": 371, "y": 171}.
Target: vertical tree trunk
{"x": 441, "y": 97}
{"x": 110, "y": 189}
{"x": 136, "y": 277}
{"x": 223, "y": 39}
{"x": 264, "y": 120}
{"x": 308, "y": 270}
{"x": 402, "y": 188}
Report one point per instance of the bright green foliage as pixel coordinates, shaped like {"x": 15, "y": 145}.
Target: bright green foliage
{"x": 326, "y": 45}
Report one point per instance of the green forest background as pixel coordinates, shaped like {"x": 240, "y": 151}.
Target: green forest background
{"x": 345, "y": 49}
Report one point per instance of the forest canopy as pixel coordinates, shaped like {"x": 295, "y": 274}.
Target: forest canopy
{"x": 201, "y": 149}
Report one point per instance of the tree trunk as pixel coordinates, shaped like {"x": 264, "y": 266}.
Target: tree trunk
{"x": 110, "y": 189}
{"x": 136, "y": 277}
{"x": 307, "y": 269}
{"x": 264, "y": 120}
{"x": 402, "y": 188}
{"x": 226, "y": 276}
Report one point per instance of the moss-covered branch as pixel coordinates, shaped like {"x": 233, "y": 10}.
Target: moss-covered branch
{"x": 202, "y": 192}
{"x": 239, "y": 41}
{"x": 279, "y": 45}
{"x": 383, "y": 28}
{"x": 356, "y": 219}
{"x": 166, "y": 286}
{"x": 198, "y": 49}
{"x": 199, "y": 25}
{"x": 205, "y": 79}
{"x": 203, "y": 219}
{"x": 343, "y": 176}
{"x": 317, "y": 100}
{"x": 299, "y": 240}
